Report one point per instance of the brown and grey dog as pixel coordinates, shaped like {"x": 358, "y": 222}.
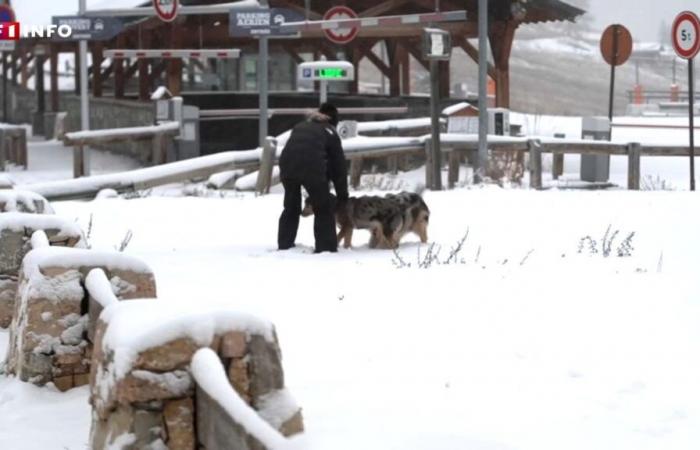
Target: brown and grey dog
{"x": 388, "y": 218}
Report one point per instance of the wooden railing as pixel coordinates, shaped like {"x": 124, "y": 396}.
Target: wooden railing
{"x": 160, "y": 135}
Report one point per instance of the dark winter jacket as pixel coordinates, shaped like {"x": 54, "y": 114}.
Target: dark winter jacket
{"x": 314, "y": 154}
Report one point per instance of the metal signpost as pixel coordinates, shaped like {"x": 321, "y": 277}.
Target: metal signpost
{"x": 262, "y": 23}
{"x": 7, "y": 14}
{"x": 437, "y": 46}
{"x": 616, "y": 48}
{"x": 83, "y": 157}
{"x": 482, "y": 159}
{"x": 686, "y": 42}
{"x": 324, "y": 72}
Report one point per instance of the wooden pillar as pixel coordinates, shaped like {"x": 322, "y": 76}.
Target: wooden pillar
{"x": 535, "y": 149}
{"x": 392, "y": 46}
{"x": 501, "y": 35}
{"x": 119, "y": 82}
{"x": 77, "y": 69}
{"x": 24, "y": 69}
{"x": 445, "y": 80}
{"x": 405, "y": 59}
{"x": 356, "y": 58}
{"x": 54, "y": 79}
{"x": 634, "y": 153}
{"x": 15, "y": 72}
{"x": 175, "y": 64}
{"x": 97, "y": 59}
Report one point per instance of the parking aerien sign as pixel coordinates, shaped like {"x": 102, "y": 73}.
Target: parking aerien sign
{"x": 262, "y": 22}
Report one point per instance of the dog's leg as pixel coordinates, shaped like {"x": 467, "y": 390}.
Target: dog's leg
{"x": 374, "y": 239}
{"x": 348, "y": 237}
{"x": 423, "y": 232}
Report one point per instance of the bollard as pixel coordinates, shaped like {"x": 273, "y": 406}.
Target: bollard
{"x": 634, "y": 153}
{"x": 535, "y": 148}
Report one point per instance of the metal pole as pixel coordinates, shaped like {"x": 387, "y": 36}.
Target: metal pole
{"x": 436, "y": 168}
{"x": 84, "y": 99}
{"x": 263, "y": 54}
{"x": 324, "y": 91}
{"x": 691, "y": 116}
{"x": 307, "y": 8}
{"x": 480, "y": 172}
{"x": 612, "y": 72}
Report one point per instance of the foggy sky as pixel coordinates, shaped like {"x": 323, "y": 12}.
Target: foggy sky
{"x": 643, "y": 17}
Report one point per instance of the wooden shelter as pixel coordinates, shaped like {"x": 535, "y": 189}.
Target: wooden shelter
{"x": 211, "y": 31}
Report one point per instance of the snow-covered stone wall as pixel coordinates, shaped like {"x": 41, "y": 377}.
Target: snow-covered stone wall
{"x": 54, "y": 314}
{"x": 16, "y": 230}
{"x": 143, "y": 389}
{"x": 13, "y": 200}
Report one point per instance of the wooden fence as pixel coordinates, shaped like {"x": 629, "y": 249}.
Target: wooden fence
{"x": 160, "y": 135}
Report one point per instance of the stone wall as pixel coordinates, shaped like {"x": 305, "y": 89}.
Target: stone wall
{"x": 156, "y": 403}
{"x": 16, "y": 230}
{"x": 50, "y": 332}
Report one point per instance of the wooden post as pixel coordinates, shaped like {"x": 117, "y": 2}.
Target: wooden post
{"x": 355, "y": 172}
{"x": 405, "y": 59}
{"x": 634, "y": 160}
{"x": 557, "y": 165}
{"x": 428, "y": 164}
{"x": 77, "y": 69}
{"x": 267, "y": 164}
{"x": 393, "y": 164}
{"x": 3, "y": 152}
{"x": 54, "y": 79}
{"x": 144, "y": 84}
{"x": 535, "y": 164}
{"x": 23, "y": 149}
{"x": 24, "y": 69}
{"x": 453, "y": 171}
{"x": 97, "y": 59}
{"x": 15, "y": 72}
{"x": 159, "y": 149}
{"x": 78, "y": 168}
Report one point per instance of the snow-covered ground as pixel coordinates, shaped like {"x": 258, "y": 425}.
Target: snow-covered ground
{"x": 523, "y": 343}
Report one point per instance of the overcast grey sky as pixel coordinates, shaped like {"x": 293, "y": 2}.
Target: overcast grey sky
{"x": 642, "y": 17}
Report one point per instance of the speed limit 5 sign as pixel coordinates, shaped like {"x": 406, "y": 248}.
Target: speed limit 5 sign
{"x": 686, "y": 35}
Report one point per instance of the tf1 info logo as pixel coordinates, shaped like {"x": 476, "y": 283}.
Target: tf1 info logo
{"x": 13, "y": 31}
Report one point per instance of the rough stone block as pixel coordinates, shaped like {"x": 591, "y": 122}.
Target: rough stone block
{"x": 238, "y": 376}
{"x": 233, "y": 344}
{"x": 179, "y": 422}
{"x": 176, "y": 354}
{"x": 265, "y": 367}
{"x": 144, "y": 386}
{"x": 294, "y": 425}
{"x": 63, "y": 383}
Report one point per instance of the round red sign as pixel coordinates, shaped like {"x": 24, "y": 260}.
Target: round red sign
{"x": 166, "y": 9}
{"x": 7, "y": 14}
{"x": 340, "y": 35}
{"x": 686, "y": 35}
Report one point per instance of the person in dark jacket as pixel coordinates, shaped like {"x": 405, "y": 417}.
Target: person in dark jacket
{"x": 312, "y": 157}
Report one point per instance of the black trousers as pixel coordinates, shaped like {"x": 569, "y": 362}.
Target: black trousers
{"x": 324, "y": 217}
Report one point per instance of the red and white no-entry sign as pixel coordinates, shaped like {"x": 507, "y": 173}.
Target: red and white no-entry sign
{"x": 686, "y": 35}
{"x": 340, "y": 35}
{"x": 166, "y": 9}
